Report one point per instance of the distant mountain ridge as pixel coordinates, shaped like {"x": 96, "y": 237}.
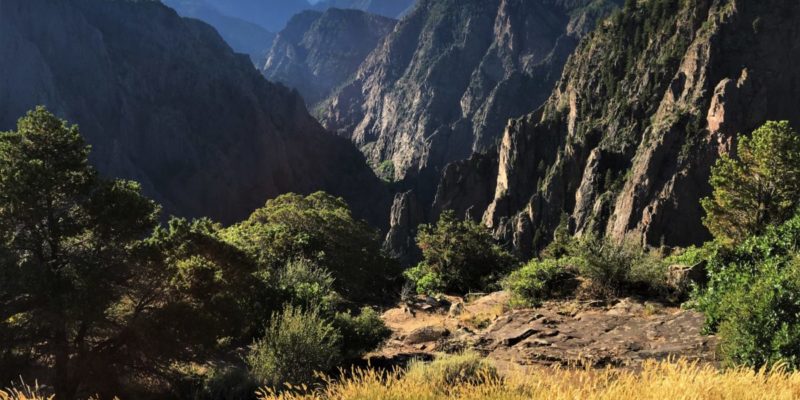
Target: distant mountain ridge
{"x": 243, "y": 36}
{"x": 387, "y": 8}
{"x": 269, "y": 14}
{"x": 274, "y": 14}
{"x": 250, "y": 26}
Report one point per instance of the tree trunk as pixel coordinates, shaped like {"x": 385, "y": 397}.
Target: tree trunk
{"x": 64, "y": 385}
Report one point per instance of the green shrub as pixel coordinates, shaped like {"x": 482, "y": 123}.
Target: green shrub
{"x": 648, "y": 274}
{"x": 762, "y": 318}
{"x": 605, "y": 264}
{"x": 615, "y": 268}
{"x": 562, "y": 241}
{"x": 296, "y": 344}
{"x": 223, "y": 292}
{"x": 607, "y": 268}
{"x": 362, "y": 333}
{"x": 305, "y": 284}
{"x": 450, "y": 371}
{"x": 385, "y": 171}
{"x": 691, "y": 255}
{"x": 321, "y": 228}
{"x": 752, "y": 298}
{"x": 728, "y": 268}
{"x": 541, "y": 280}
{"x": 425, "y": 279}
{"x": 228, "y": 383}
{"x": 458, "y": 256}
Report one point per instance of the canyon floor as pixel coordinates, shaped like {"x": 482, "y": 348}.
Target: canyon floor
{"x": 623, "y": 333}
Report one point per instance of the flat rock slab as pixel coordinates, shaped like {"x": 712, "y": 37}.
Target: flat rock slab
{"x": 623, "y": 337}
{"x": 622, "y": 334}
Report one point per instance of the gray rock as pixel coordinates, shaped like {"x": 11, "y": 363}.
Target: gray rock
{"x": 627, "y": 306}
{"x": 406, "y": 215}
{"x": 456, "y": 309}
{"x": 681, "y": 277}
{"x": 426, "y": 334}
{"x": 515, "y": 337}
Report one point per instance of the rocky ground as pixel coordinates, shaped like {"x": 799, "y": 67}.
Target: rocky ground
{"x": 622, "y": 333}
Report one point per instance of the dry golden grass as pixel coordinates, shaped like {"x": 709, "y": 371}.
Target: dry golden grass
{"x": 23, "y": 391}
{"x": 657, "y": 381}
{"x": 468, "y": 377}
{"x": 14, "y": 395}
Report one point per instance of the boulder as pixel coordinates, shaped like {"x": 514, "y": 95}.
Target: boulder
{"x": 681, "y": 277}
{"x": 456, "y": 309}
{"x": 426, "y": 334}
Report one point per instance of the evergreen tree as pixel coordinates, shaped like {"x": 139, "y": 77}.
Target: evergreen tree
{"x": 70, "y": 239}
{"x": 759, "y": 188}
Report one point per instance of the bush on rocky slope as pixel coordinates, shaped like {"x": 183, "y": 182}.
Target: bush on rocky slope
{"x": 458, "y": 257}
{"x": 318, "y": 227}
{"x": 593, "y": 267}
{"x": 541, "y": 280}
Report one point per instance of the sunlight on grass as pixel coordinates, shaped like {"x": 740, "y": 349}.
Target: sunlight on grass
{"x": 477, "y": 380}
{"x": 23, "y": 391}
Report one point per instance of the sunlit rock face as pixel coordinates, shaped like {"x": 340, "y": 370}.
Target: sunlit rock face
{"x": 444, "y": 83}
{"x": 625, "y": 143}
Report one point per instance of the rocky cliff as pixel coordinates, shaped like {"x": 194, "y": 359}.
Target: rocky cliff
{"x": 319, "y": 51}
{"x": 163, "y": 100}
{"x": 443, "y": 84}
{"x": 625, "y": 143}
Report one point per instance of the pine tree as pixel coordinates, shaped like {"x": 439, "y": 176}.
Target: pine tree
{"x": 759, "y": 188}
{"x": 69, "y": 239}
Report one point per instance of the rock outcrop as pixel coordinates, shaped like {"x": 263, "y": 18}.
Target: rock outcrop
{"x": 317, "y": 52}
{"x": 622, "y": 334}
{"x": 466, "y": 187}
{"x": 163, "y": 100}
{"x": 645, "y": 106}
{"x": 405, "y": 217}
{"x": 443, "y": 84}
